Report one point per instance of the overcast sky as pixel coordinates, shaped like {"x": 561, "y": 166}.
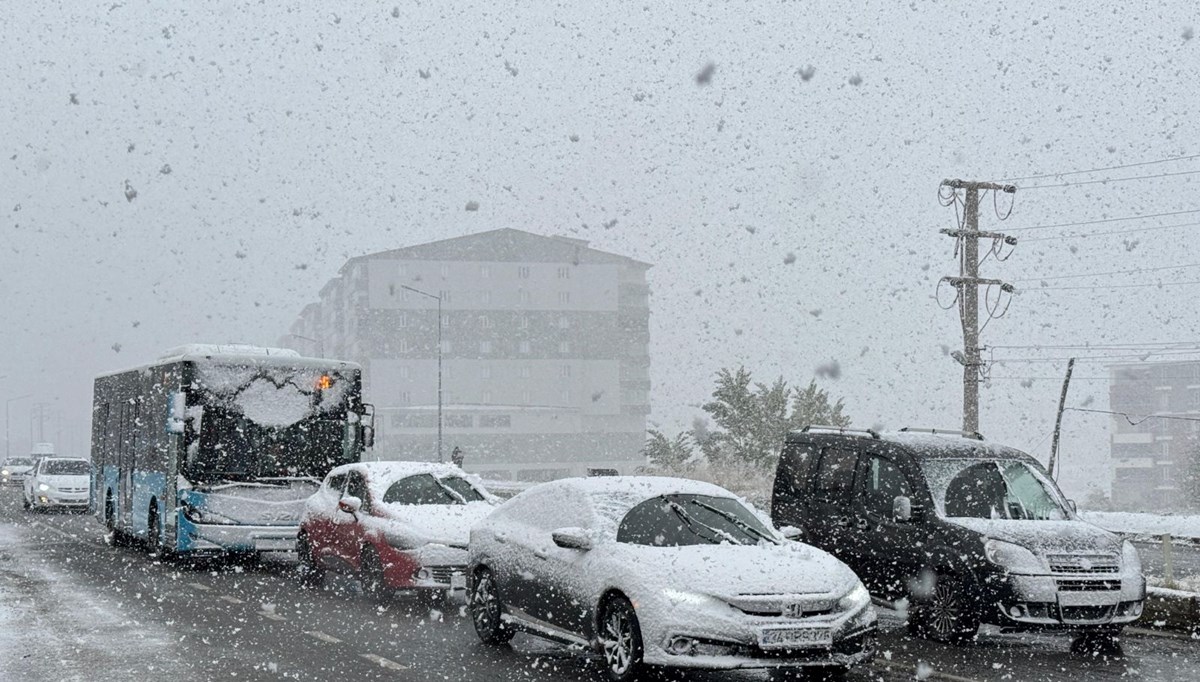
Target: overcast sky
{"x": 789, "y": 204}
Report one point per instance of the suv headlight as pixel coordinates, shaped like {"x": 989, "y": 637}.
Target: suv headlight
{"x": 1130, "y": 561}
{"x": 855, "y": 599}
{"x": 1012, "y": 557}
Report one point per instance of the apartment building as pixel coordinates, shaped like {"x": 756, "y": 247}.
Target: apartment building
{"x": 1154, "y": 459}
{"x": 544, "y": 351}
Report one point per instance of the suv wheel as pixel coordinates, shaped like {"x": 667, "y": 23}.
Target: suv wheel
{"x": 620, "y": 639}
{"x": 487, "y": 610}
{"x": 947, "y": 614}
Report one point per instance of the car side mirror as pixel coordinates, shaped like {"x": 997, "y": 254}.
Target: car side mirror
{"x": 572, "y": 538}
{"x": 792, "y": 533}
{"x": 350, "y": 504}
{"x": 902, "y": 509}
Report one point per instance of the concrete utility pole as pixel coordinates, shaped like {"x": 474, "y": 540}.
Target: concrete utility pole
{"x": 968, "y": 283}
{"x": 1062, "y": 402}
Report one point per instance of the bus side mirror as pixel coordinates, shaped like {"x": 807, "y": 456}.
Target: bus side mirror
{"x": 902, "y": 509}
{"x": 177, "y": 417}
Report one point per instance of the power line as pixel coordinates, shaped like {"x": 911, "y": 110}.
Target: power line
{"x": 1128, "y": 356}
{"x": 1105, "y": 220}
{"x": 1093, "y": 287}
{"x": 1088, "y": 346}
{"x": 1105, "y": 274}
{"x": 1130, "y": 419}
{"x": 1103, "y": 234}
{"x": 1108, "y": 168}
{"x": 1106, "y": 181}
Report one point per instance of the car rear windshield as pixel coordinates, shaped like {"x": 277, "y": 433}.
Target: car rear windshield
{"x": 66, "y": 467}
{"x": 426, "y": 489}
{"x": 993, "y": 489}
{"x": 677, "y": 520}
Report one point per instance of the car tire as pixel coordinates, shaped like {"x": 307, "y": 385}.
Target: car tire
{"x": 487, "y": 610}
{"x": 620, "y": 640}
{"x": 370, "y": 573}
{"x": 310, "y": 571}
{"x": 153, "y": 533}
{"x": 947, "y": 614}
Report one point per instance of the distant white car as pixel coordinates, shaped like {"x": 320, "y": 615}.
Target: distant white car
{"x": 58, "y": 482}
{"x": 394, "y": 525}
{"x": 665, "y": 572}
{"x": 15, "y": 469}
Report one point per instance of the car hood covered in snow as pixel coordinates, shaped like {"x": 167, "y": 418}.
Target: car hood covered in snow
{"x": 443, "y": 524}
{"x": 71, "y": 481}
{"x": 728, "y": 571}
{"x": 1046, "y": 537}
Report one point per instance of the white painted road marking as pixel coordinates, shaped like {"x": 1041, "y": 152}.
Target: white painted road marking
{"x": 272, "y": 616}
{"x": 329, "y": 639}
{"x": 200, "y": 586}
{"x": 384, "y": 662}
{"x": 231, "y": 600}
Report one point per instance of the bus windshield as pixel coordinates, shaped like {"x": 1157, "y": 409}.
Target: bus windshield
{"x": 231, "y": 446}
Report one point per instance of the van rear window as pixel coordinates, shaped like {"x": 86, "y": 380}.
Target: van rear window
{"x": 836, "y": 470}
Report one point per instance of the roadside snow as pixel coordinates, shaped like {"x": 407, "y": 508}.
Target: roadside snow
{"x": 1135, "y": 523}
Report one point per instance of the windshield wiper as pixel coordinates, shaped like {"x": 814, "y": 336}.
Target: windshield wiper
{"x": 692, "y": 522}
{"x": 453, "y": 493}
{"x": 728, "y": 516}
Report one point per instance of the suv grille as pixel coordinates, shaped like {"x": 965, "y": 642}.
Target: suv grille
{"x": 442, "y": 574}
{"x": 1084, "y": 563}
{"x": 1083, "y": 614}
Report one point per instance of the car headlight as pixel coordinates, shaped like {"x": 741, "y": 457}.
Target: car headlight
{"x": 677, "y": 597}
{"x": 1012, "y": 557}
{"x": 4, "y": 472}
{"x": 43, "y": 487}
{"x": 855, "y": 599}
{"x": 1130, "y": 560}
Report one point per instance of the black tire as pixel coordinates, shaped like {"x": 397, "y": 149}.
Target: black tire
{"x": 310, "y": 571}
{"x": 153, "y": 533}
{"x": 370, "y": 573}
{"x": 25, "y": 502}
{"x": 948, "y": 614}
{"x": 487, "y": 609}
{"x": 620, "y": 639}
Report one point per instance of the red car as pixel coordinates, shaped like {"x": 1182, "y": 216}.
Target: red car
{"x": 394, "y": 525}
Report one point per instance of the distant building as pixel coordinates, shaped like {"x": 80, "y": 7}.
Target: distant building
{"x": 1153, "y": 461}
{"x": 544, "y": 343}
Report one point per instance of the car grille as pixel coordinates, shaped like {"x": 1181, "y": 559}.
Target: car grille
{"x": 1084, "y": 614}
{"x": 1084, "y": 563}
{"x": 73, "y": 491}
{"x": 442, "y": 574}
{"x": 1075, "y": 585}
{"x": 777, "y": 605}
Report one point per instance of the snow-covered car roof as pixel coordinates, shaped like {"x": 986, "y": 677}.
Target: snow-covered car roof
{"x": 611, "y": 497}
{"x": 923, "y": 445}
{"x": 381, "y": 475}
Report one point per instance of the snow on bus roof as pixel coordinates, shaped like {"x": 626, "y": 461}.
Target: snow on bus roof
{"x": 236, "y": 354}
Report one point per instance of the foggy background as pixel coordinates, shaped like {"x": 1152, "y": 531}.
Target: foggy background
{"x": 787, "y": 197}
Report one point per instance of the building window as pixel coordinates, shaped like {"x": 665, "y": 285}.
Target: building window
{"x": 404, "y": 372}
{"x": 564, "y": 371}
{"x": 487, "y": 395}
{"x": 403, "y": 321}
{"x": 495, "y": 421}
{"x": 564, "y": 297}
{"x": 405, "y": 398}
{"x": 564, "y": 272}
{"x": 565, "y": 396}
{"x": 526, "y": 372}
{"x": 445, "y": 322}
{"x": 485, "y": 347}
{"x": 447, "y": 347}
{"x": 402, "y": 345}
{"x": 401, "y": 270}
{"x": 485, "y": 322}
{"x": 445, "y": 296}
{"x": 524, "y": 296}
{"x": 523, "y": 272}
{"x": 485, "y": 297}
{"x": 445, "y": 270}
{"x": 485, "y": 272}
{"x": 485, "y": 372}
{"x": 524, "y": 322}
{"x": 526, "y": 398}
{"x": 564, "y": 346}
{"x": 564, "y": 322}
{"x": 524, "y": 346}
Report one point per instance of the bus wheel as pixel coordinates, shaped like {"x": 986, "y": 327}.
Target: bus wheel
{"x": 153, "y": 532}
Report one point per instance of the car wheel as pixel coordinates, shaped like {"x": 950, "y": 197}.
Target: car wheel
{"x": 620, "y": 639}
{"x": 311, "y": 572}
{"x": 370, "y": 573}
{"x": 487, "y": 610}
{"x": 947, "y": 614}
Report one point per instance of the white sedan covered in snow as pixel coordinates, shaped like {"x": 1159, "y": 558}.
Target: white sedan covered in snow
{"x": 665, "y": 572}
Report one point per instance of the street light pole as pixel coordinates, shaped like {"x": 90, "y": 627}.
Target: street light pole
{"x": 8, "y": 418}
{"x": 439, "y": 363}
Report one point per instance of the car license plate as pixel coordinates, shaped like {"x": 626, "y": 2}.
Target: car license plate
{"x": 795, "y": 638}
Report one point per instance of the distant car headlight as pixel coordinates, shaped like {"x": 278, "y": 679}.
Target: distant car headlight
{"x": 855, "y": 599}
{"x": 43, "y": 487}
{"x": 1130, "y": 560}
{"x": 1013, "y": 557}
{"x": 4, "y": 472}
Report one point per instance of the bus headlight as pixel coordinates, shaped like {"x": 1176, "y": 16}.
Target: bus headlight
{"x": 198, "y": 515}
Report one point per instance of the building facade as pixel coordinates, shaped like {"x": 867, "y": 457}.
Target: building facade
{"x": 544, "y": 351}
{"x": 1155, "y": 459}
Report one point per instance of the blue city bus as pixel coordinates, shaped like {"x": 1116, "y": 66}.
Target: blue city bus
{"x": 214, "y": 449}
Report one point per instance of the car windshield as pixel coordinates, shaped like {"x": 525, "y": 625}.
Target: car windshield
{"x": 678, "y": 520}
{"x": 426, "y": 489}
{"x": 66, "y": 467}
{"x": 18, "y": 462}
{"x": 993, "y": 489}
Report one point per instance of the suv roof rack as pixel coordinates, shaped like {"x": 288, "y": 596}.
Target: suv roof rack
{"x": 973, "y": 435}
{"x": 818, "y": 428}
